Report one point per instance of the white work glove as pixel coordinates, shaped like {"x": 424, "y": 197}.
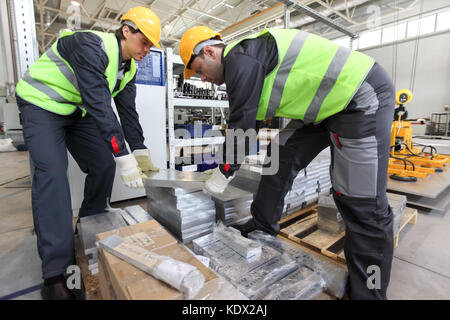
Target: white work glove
{"x": 217, "y": 183}
{"x": 144, "y": 161}
{"x": 130, "y": 173}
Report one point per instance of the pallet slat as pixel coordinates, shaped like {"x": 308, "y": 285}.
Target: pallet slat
{"x": 301, "y": 228}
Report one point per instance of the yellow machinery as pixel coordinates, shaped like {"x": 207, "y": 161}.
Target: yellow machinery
{"x": 406, "y": 162}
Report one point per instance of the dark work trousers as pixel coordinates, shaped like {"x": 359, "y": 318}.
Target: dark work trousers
{"x": 47, "y": 136}
{"x": 359, "y": 138}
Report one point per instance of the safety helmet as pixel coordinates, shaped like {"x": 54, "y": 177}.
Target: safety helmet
{"x": 189, "y": 41}
{"x": 146, "y": 21}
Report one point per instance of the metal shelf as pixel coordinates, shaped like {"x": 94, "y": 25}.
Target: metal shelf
{"x": 173, "y": 102}
{"x": 198, "y": 141}
{"x": 203, "y": 103}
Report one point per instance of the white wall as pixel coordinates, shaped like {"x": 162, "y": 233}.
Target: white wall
{"x": 3, "y": 75}
{"x": 432, "y": 80}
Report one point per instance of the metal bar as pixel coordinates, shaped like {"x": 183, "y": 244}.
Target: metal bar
{"x": 287, "y": 16}
{"x": 319, "y": 17}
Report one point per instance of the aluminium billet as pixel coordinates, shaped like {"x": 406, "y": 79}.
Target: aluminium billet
{"x": 249, "y": 249}
{"x": 171, "y": 178}
{"x": 138, "y": 214}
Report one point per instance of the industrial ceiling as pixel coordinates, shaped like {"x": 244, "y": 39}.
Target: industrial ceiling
{"x": 233, "y": 18}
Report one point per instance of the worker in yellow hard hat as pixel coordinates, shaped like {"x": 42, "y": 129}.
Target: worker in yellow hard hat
{"x": 334, "y": 97}
{"x": 65, "y": 103}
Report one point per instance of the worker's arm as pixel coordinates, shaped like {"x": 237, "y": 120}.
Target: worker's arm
{"x": 83, "y": 51}
{"x": 245, "y": 68}
{"x": 129, "y": 118}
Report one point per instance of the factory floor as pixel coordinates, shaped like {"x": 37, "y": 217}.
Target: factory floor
{"x": 420, "y": 268}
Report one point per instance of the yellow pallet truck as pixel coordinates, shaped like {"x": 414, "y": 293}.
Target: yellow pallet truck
{"x": 408, "y": 162}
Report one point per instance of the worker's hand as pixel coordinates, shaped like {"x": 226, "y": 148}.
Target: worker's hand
{"x": 144, "y": 161}
{"x": 130, "y": 173}
{"x": 217, "y": 183}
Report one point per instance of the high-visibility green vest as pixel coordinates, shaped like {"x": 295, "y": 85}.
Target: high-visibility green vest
{"x": 50, "y": 82}
{"x": 313, "y": 79}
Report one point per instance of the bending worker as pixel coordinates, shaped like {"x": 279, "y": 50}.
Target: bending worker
{"x": 335, "y": 97}
{"x": 65, "y": 102}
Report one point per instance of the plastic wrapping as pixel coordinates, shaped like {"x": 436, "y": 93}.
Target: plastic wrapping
{"x": 7, "y": 145}
{"x": 250, "y": 276}
{"x": 335, "y": 277}
{"x": 258, "y": 279}
{"x": 182, "y": 276}
{"x": 303, "y": 284}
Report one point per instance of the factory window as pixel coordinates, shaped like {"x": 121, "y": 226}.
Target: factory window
{"x": 427, "y": 24}
{"x": 443, "y": 21}
{"x": 345, "y": 41}
{"x": 394, "y": 33}
{"x": 369, "y": 39}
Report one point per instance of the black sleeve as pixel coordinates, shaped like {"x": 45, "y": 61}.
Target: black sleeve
{"x": 129, "y": 118}
{"x": 244, "y": 79}
{"x": 84, "y": 52}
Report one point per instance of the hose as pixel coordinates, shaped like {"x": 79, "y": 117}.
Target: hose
{"x": 405, "y": 161}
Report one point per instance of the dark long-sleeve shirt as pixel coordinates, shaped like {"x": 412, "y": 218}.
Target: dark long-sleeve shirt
{"x": 88, "y": 59}
{"x": 245, "y": 67}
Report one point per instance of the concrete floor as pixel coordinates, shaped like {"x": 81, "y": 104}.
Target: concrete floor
{"x": 420, "y": 269}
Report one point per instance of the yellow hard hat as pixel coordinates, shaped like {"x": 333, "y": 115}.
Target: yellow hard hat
{"x": 146, "y": 21}
{"x": 189, "y": 41}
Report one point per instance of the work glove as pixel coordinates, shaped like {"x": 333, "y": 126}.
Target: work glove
{"x": 217, "y": 183}
{"x": 130, "y": 173}
{"x": 144, "y": 161}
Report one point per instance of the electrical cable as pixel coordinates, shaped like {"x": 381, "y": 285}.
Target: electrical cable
{"x": 416, "y": 50}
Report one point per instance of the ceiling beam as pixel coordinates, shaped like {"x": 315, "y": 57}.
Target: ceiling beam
{"x": 319, "y": 17}
{"x": 337, "y": 12}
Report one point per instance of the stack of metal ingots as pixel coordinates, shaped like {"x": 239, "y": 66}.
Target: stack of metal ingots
{"x": 329, "y": 218}
{"x": 90, "y": 226}
{"x": 318, "y": 181}
{"x": 397, "y": 202}
{"x": 308, "y": 185}
{"x": 264, "y": 267}
{"x": 233, "y": 205}
{"x": 176, "y": 201}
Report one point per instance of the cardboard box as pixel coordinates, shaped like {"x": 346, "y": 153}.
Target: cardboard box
{"x": 120, "y": 280}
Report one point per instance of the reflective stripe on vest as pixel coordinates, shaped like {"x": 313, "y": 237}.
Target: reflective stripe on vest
{"x": 50, "y": 83}
{"x": 313, "y": 79}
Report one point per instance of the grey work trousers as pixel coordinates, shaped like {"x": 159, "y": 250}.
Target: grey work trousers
{"x": 359, "y": 138}
{"x": 48, "y": 137}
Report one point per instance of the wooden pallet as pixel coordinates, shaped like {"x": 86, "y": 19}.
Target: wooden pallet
{"x": 91, "y": 282}
{"x": 409, "y": 218}
{"x": 301, "y": 227}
